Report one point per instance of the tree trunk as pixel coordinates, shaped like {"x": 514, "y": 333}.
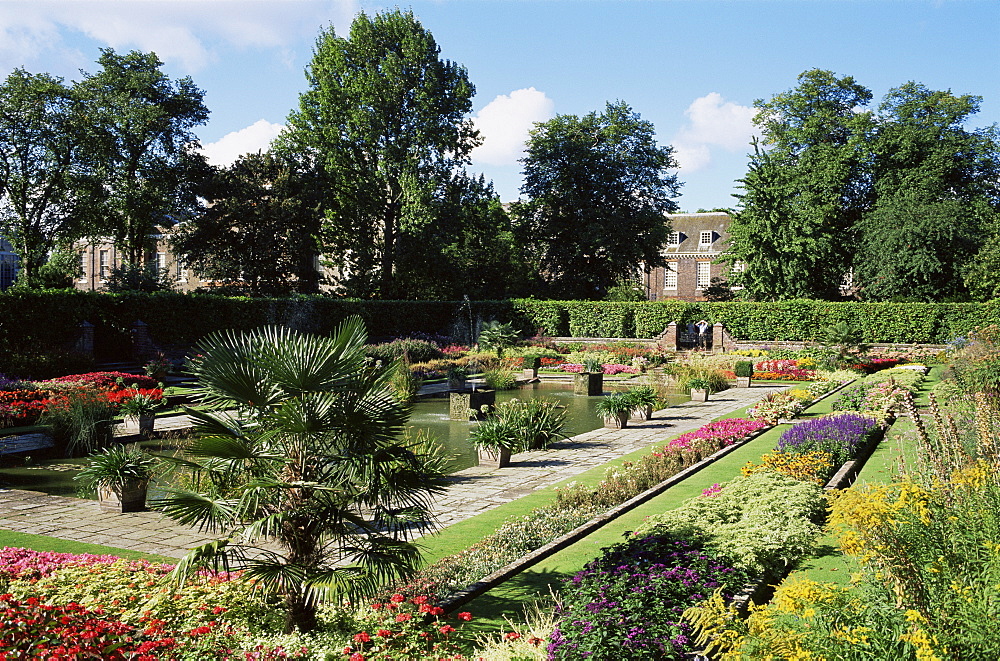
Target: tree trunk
{"x": 299, "y": 614}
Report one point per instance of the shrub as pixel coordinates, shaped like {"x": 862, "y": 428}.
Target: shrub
{"x": 628, "y": 602}
{"x": 413, "y": 351}
{"x": 743, "y": 369}
{"x": 82, "y": 421}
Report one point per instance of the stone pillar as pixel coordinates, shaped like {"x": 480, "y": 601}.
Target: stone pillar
{"x": 142, "y": 345}
{"x": 718, "y": 337}
{"x": 668, "y": 338}
{"x": 85, "y": 339}
{"x": 468, "y": 404}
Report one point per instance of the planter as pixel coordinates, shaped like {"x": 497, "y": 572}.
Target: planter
{"x": 620, "y": 421}
{"x": 495, "y": 459}
{"x": 130, "y": 498}
{"x": 456, "y": 384}
{"x": 743, "y": 382}
{"x": 642, "y": 414}
{"x": 699, "y": 395}
{"x": 590, "y": 384}
{"x": 527, "y": 373}
{"x": 466, "y": 404}
{"x": 146, "y": 423}
{"x": 529, "y": 366}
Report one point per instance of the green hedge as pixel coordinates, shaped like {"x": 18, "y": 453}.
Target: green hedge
{"x": 33, "y": 320}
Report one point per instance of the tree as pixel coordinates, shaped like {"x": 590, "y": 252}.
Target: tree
{"x": 982, "y": 273}
{"x": 598, "y": 188}
{"x": 385, "y": 118}
{"x": 143, "y": 147}
{"x": 804, "y": 190}
{"x": 312, "y": 461}
{"x": 259, "y": 230}
{"x": 936, "y": 189}
{"x": 43, "y": 178}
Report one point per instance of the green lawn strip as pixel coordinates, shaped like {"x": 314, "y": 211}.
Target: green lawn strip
{"x": 9, "y": 538}
{"x": 457, "y": 537}
{"x": 507, "y": 599}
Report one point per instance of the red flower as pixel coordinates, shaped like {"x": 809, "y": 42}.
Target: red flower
{"x": 357, "y": 657}
{"x": 218, "y": 610}
{"x": 385, "y": 633}
{"x": 362, "y": 637}
{"x": 465, "y": 617}
{"x": 535, "y": 640}
{"x": 512, "y": 635}
{"x": 376, "y": 607}
{"x": 397, "y": 598}
{"x": 404, "y": 617}
{"x": 420, "y": 600}
{"x": 446, "y": 629}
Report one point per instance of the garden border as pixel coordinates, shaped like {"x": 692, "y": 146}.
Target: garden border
{"x": 503, "y": 574}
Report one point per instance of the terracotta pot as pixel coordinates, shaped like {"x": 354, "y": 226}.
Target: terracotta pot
{"x": 131, "y": 497}
{"x": 495, "y": 459}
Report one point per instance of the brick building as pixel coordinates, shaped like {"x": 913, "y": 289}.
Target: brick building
{"x": 697, "y": 241}
{"x": 98, "y": 256}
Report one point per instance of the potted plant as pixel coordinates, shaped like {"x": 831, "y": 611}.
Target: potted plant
{"x": 158, "y": 367}
{"x": 119, "y": 475}
{"x": 643, "y": 400}
{"x": 699, "y": 389}
{"x": 744, "y": 372}
{"x": 495, "y": 440}
{"x": 142, "y": 408}
{"x": 615, "y": 409}
{"x": 590, "y": 381}
{"x": 530, "y": 365}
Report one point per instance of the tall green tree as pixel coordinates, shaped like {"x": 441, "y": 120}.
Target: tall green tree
{"x": 311, "y": 462}
{"x": 44, "y": 177}
{"x": 143, "y": 146}
{"x": 597, "y": 190}
{"x": 258, "y": 233}
{"x": 385, "y": 118}
{"x": 804, "y": 191}
{"x": 936, "y": 190}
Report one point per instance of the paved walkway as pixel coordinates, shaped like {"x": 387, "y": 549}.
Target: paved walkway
{"x": 473, "y": 490}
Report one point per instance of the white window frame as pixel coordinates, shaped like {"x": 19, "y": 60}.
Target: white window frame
{"x": 83, "y": 265}
{"x": 670, "y": 276}
{"x": 674, "y": 239}
{"x": 104, "y": 257}
{"x": 702, "y": 243}
{"x": 703, "y": 274}
{"x": 161, "y": 262}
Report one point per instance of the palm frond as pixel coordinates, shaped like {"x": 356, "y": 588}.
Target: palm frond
{"x": 195, "y": 509}
{"x": 213, "y": 556}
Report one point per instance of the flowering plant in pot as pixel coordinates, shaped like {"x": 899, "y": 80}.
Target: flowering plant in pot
{"x": 615, "y": 409}
{"x": 119, "y": 476}
{"x": 699, "y": 389}
{"x": 643, "y": 400}
{"x": 142, "y": 408}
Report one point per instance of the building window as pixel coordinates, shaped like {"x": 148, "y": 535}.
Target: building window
{"x": 674, "y": 239}
{"x": 704, "y": 275}
{"x": 83, "y": 266}
{"x": 670, "y": 275}
{"x": 161, "y": 263}
{"x": 739, "y": 267}
{"x": 105, "y": 262}
{"x": 706, "y": 240}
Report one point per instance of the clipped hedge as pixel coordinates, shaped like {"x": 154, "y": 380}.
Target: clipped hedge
{"x": 49, "y": 320}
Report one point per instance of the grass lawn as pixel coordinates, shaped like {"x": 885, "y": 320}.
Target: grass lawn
{"x": 9, "y": 538}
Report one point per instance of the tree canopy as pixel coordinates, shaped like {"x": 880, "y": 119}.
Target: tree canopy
{"x": 598, "y": 189}
{"x": 385, "y": 118}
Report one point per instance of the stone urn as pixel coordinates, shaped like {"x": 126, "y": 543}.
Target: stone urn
{"x": 699, "y": 395}
{"x": 529, "y": 367}
{"x": 590, "y": 384}
{"x": 466, "y": 404}
{"x": 743, "y": 381}
{"x": 128, "y": 497}
{"x": 494, "y": 458}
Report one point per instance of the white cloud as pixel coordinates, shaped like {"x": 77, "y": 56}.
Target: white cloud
{"x": 504, "y": 124}
{"x": 254, "y": 138}
{"x": 185, "y": 33}
{"x": 712, "y": 122}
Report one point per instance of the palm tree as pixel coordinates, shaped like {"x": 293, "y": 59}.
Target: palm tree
{"x": 302, "y": 453}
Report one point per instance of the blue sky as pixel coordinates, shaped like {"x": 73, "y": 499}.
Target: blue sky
{"x": 691, "y": 67}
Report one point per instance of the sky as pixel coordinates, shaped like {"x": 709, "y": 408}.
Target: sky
{"x": 691, "y": 67}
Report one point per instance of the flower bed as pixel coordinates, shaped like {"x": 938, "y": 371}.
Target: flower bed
{"x": 610, "y": 368}
{"x": 628, "y": 603}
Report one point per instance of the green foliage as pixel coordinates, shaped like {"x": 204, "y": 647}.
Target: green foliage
{"x": 982, "y": 272}
{"x": 597, "y": 188}
{"x": 384, "y": 118}
{"x": 762, "y": 522}
{"x": 611, "y": 406}
{"x": 495, "y": 336}
{"x": 142, "y": 146}
{"x": 520, "y": 425}
{"x": 258, "y": 232}
{"x": 82, "y": 421}
{"x": 743, "y": 368}
{"x": 413, "y": 351}
{"x": 114, "y": 467}
{"x": 143, "y": 278}
{"x": 626, "y": 289}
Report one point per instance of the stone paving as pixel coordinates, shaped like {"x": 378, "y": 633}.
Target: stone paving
{"x": 473, "y": 491}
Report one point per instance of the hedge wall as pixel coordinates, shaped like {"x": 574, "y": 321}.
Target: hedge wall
{"x": 51, "y": 319}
